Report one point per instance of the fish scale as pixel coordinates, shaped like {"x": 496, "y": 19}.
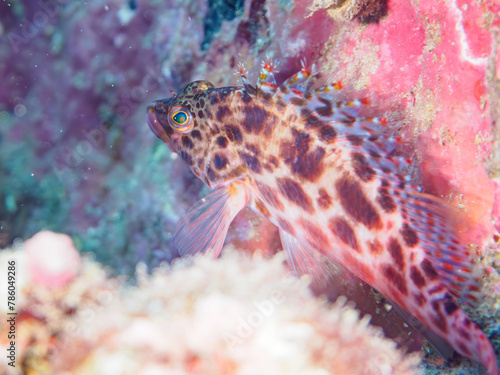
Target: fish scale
{"x": 317, "y": 164}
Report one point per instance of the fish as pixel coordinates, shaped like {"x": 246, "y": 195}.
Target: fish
{"x": 321, "y": 165}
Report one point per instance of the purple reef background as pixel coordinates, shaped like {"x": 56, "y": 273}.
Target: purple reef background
{"x": 76, "y": 154}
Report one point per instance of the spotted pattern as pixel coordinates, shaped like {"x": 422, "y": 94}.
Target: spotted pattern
{"x": 396, "y": 252}
{"x": 429, "y": 270}
{"x": 233, "y": 133}
{"x": 356, "y": 204}
{"x": 305, "y": 162}
{"x": 362, "y": 167}
{"x": 417, "y": 277}
{"x": 420, "y": 299}
{"x": 410, "y": 237}
{"x": 294, "y": 193}
{"x": 385, "y": 198}
{"x": 324, "y": 199}
{"x": 344, "y": 232}
{"x": 376, "y": 248}
{"x": 282, "y": 142}
{"x": 220, "y": 161}
{"x": 395, "y": 278}
{"x": 222, "y": 141}
{"x": 252, "y": 161}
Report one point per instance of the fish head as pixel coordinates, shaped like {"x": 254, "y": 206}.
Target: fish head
{"x": 187, "y": 125}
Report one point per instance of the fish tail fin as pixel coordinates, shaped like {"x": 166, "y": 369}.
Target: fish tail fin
{"x": 463, "y": 334}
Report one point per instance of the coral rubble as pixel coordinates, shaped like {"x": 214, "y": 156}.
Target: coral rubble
{"x": 235, "y": 315}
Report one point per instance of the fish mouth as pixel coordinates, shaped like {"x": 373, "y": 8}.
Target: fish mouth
{"x": 155, "y": 125}
{"x": 152, "y": 120}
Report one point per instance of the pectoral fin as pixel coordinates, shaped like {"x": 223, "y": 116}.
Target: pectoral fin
{"x": 205, "y": 226}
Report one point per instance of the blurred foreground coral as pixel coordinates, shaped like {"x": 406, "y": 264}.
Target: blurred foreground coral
{"x": 236, "y": 315}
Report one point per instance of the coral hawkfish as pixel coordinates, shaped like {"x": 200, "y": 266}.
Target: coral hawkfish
{"x": 327, "y": 172}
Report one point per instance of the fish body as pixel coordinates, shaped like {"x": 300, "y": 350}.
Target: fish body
{"x": 326, "y": 171}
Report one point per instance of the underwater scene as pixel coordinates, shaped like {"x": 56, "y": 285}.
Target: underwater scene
{"x": 249, "y": 187}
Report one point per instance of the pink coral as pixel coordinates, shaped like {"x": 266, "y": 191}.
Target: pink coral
{"x": 52, "y": 259}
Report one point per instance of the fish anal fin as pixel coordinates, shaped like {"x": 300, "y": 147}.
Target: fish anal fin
{"x": 205, "y": 225}
{"x": 304, "y": 259}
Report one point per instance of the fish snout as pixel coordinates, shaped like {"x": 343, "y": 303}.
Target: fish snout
{"x": 153, "y": 122}
{"x": 155, "y": 112}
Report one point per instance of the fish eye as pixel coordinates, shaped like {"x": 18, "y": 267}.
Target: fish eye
{"x": 180, "y": 119}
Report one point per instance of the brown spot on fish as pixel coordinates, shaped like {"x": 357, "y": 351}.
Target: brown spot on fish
{"x": 437, "y": 289}
{"x": 355, "y": 140}
{"x": 439, "y": 321}
{"x": 304, "y": 163}
{"x": 233, "y": 133}
{"x": 187, "y": 158}
{"x": 222, "y": 112}
{"x": 417, "y": 277}
{"x": 268, "y": 167}
{"x": 274, "y": 160}
{"x": 251, "y": 161}
{"x": 292, "y": 191}
{"x": 327, "y": 134}
{"x": 324, "y": 200}
{"x": 449, "y": 305}
{"x": 375, "y": 247}
{"x": 362, "y": 168}
{"x": 215, "y": 129}
{"x": 344, "y": 232}
{"x": 255, "y": 117}
{"x": 420, "y": 299}
{"x": 429, "y": 270}
{"x": 222, "y": 141}
{"x": 186, "y": 141}
{"x": 246, "y": 97}
{"x": 395, "y": 278}
{"x": 196, "y": 134}
{"x": 325, "y": 111}
{"x": 396, "y": 253}
{"x": 201, "y": 114}
{"x": 220, "y": 161}
{"x": 410, "y": 237}
{"x": 298, "y": 101}
{"x": 385, "y": 200}
{"x": 269, "y": 196}
{"x": 310, "y": 119}
{"x": 356, "y": 204}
